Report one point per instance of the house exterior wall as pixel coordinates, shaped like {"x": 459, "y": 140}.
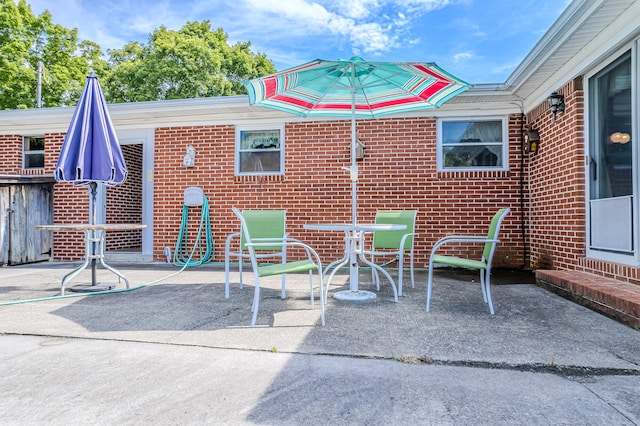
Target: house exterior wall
{"x": 397, "y": 172}
{"x": 557, "y": 233}
{"x": 557, "y": 193}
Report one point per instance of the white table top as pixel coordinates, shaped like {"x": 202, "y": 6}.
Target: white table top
{"x": 352, "y": 227}
{"x": 90, "y": 227}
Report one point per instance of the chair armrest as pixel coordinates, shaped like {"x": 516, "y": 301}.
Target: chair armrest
{"x": 461, "y": 239}
{"x": 288, "y": 242}
{"x": 404, "y": 238}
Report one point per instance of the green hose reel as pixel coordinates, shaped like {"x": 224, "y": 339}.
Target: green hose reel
{"x": 202, "y": 250}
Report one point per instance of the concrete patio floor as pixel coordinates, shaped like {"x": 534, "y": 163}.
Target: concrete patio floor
{"x": 176, "y": 351}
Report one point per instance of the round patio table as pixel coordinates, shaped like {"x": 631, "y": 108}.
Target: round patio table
{"x": 94, "y": 238}
{"x": 354, "y": 251}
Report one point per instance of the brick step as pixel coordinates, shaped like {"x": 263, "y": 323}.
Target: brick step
{"x": 616, "y": 299}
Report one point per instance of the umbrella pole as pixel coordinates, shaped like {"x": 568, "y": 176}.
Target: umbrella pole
{"x": 93, "y": 195}
{"x": 354, "y": 167}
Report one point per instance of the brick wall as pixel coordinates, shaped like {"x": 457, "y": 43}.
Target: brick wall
{"x": 556, "y": 184}
{"x": 124, "y": 203}
{"x": 398, "y": 172}
{"x": 70, "y": 205}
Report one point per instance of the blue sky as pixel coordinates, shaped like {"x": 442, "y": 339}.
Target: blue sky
{"x": 480, "y": 41}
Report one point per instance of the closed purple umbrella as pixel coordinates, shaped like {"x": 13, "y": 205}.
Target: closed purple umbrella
{"x": 90, "y": 154}
{"x": 90, "y": 151}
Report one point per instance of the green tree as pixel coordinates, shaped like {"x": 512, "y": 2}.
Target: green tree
{"x": 26, "y": 40}
{"x": 193, "y": 62}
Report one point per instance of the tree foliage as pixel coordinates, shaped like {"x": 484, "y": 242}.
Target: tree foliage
{"x": 193, "y": 62}
{"x": 26, "y": 40}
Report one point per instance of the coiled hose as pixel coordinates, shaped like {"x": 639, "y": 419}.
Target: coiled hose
{"x": 182, "y": 255}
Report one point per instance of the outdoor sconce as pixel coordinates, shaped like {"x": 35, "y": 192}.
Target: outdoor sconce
{"x": 534, "y": 140}
{"x": 190, "y": 157}
{"x": 556, "y": 102}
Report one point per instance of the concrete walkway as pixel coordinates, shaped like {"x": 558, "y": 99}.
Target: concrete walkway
{"x": 177, "y": 352}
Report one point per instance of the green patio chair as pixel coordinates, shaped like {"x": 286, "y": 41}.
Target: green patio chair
{"x": 253, "y": 243}
{"x": 262, "y": 224}
{"x": 394, "y": 243}
{"x": 483, "y": 265}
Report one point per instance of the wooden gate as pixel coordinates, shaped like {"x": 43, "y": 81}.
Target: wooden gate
{"x": 24, "y": 203}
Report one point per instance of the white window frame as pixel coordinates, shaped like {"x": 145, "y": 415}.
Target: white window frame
{"x": 504, "y": 144}
{"x": 238, "y": 135}
{"x": 28, "y": 153}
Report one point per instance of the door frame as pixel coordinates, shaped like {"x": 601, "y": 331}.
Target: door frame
{"x": 146, "y": 138}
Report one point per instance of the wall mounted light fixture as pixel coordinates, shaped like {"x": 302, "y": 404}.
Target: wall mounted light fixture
{"x": 556, "y": 102}
{"x": 533, "y": 140}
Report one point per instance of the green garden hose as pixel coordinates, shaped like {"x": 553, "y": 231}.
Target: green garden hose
{"x": 182, "y": 255}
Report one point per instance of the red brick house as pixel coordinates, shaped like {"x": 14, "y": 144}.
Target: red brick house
{"x": 574, "y": 203}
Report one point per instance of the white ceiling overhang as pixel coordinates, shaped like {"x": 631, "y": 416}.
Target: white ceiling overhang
{"x": 583, "y": 36}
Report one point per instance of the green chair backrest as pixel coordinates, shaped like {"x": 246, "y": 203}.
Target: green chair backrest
{"x": 494, "y": 229}
{"x": 392, "y": 239}
{"x": 264, "y": 224}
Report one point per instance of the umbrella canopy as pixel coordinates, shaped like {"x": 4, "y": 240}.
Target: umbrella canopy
{"x": 90, "y": 151}
{"x": 91, "y": 154}
{"x": 355, "y": 88}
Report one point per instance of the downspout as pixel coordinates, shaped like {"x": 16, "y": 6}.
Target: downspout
{"x": 522, "y": 203}
{"x": 522, "y": 221}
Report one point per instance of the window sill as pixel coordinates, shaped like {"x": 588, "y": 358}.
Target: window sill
{"x": 39, "y": 171}
{"x": 258, "y": 178}
{"x": 474, "y": 174}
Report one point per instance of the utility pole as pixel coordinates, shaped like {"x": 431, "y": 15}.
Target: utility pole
{"x": 39, "y": 85}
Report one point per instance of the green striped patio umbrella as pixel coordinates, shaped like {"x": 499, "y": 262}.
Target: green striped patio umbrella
{"x": 355, "y": 88}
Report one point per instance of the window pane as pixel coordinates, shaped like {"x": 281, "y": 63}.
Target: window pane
{"x": 472, "y": 156}
{"x": 34, "y": 161}
{"x": 257, "y": 162}
{"x": 259, "y": 151}
{"x": 611, "y": 147}
{"x": 261, "y": 139}
{"x": 34, "y": 144}
{"x": 455, "y": 132}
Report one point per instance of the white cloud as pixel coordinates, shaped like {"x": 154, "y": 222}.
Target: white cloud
{"x": 421, "y": 6}
{"x": 302, "y": 14}
{"x": 372, "y": 38}
{"x": 357, "y": 9}
{"x": 462, "y": 56}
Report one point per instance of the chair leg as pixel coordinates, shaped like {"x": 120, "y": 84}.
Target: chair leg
{"x": 256, "y": 302}
{"x": 226, "y": 274}
{"x": 322, "y": 296}
{"x": 487, "y": 285}
{"x": 429, "y": 283}
{"x": 283, "y": 291}
{"x": 413, "y": 281}
{"x": 240, "y": 269}
{"x": 400, "y": 269}
{"x": 374, "y": 274}
{"x": 311, "y": 290}
{"x": 483, "y": 285}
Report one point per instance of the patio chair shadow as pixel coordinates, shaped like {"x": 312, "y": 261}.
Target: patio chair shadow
{"x": 179, "y": 307}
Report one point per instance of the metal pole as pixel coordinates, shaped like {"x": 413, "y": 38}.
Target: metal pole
{"x": 353, "y": 171}
{"x": 93, "y": 191}
{"x": 39, "y": 85}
